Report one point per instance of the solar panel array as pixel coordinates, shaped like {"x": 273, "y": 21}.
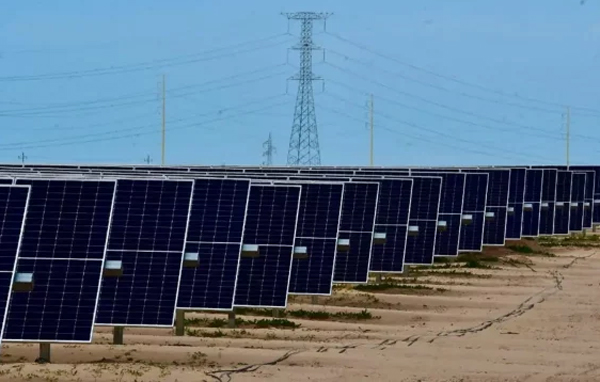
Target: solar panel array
{"x": 129, "y": 245}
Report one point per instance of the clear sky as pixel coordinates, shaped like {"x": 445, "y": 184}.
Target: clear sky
{"x": 454, "y": 82}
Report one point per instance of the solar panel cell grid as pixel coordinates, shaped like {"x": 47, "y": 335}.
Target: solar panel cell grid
{"x": 546, "y": 226}
{"x": 563, "y": 200}
{"x": 63, "y": 244}
{"x": 272, "y": 215}
{"x": 533, "y": 200}
{"x": 577, "y": 202}
{"x": 215, "y": 233}
{"x": 147, "y": 235}
{"x": 514, "y": 218}
{"x": 473, "y": 218}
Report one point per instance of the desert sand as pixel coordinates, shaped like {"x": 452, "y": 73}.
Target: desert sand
{"x": 536, "y": 318}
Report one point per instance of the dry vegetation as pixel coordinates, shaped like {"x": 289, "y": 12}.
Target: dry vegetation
{"x": 526, "y": 312}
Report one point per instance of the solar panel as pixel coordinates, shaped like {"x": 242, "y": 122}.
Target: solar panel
{"x": 514, "y": 218}
{"x": 588, "y": 205}
{"x": 391, "y": 225}
{"x": 577, "y": 202}
{"x": 496, "y": 206}
{"x": 357, "y": 227}
{"x": 473, "y": 217}
{"x": 563, "y": 200}
{"x": 269, "y": 235}
{"x": 215, "y": 237}
{"x": 145, "y": 252}
{"x": 533, "y": 199}
{"x": 451, "y": 208}
{"x": 62, "y": 252}
{"x": 548, "y": 202}
{"x": 13, "y": 208}
{"x": 316, "y": 237}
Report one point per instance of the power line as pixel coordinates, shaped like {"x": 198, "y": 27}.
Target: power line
{"x": 156, "y": 64}
{"x": 456, "y": 80}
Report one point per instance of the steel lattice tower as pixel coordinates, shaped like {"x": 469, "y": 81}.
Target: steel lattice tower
{"x": 304, "y": 140}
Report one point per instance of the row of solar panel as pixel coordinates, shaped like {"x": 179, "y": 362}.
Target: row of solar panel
{"x": 127, "y": 252}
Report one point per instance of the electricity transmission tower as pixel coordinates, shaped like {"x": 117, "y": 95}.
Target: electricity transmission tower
{"x": 148, "y": 159}
{"x": 304, "y": 140}
{"x": 269, "y": 151}
{"x": 22, "y": 157}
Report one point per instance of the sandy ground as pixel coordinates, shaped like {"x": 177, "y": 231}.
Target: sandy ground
{"x": 516, "y": 323}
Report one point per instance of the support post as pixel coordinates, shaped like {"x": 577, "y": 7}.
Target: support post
{"x": 231, "y": 317}
{"x": 277, "y": 313}
{"x": 378, "y": 278}
{"x": 179, "y": 322}
{"x": 118, "y": 335}
{"x": 314, "y": 300}
{"x": 406, "y": 271}
{"x": 44, "y": 353}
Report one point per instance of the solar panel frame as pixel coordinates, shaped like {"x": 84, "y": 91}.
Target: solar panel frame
{"x": 562, "y": 213}
{"x": 548, "y": 201}
{"x": 124, "y": 251}
{"x": 242, "y": 305}
{"x": 576, "y": 217}
{"x": 516, "y": 201}
{"x": 191, "y": 242}
{"x": 13, "y": 272}
{"x": 15, "y": 179}
{"x": 336, "y": 239}
{"x": 533, "y": 199}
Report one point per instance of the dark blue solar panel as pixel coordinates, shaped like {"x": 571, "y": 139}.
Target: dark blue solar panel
{"x": 357, "y": 225}
{"x": 392, "y": 220}
{"x": 147, "y": 235}
{"x": 271, "y": 224}
{"x": 317, "y": 230}
{"x": 548, "y": 202}
{"x": 451, "y": 207}
{"x": 563, "y": 200}
{"x": 514, "y": 218}
{"x": 473, "y": 221}
{"x": 215, "y": 233}
{"x": 533, "y": 199}
{"x": 13, "y": 207}
{"x": 63, "y": 244}
{"x": 425, "y": 202}
{"x": 496, "y": 206}
{"x": 577, "y": 202}
{"x": 588, "y": 205}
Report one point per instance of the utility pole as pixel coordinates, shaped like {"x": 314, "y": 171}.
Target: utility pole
{"x": 568, "y": 135}
{"x": 269, "y": 151}
{"x": 304, "y": 139}
{"x": 164, "y": 124}
{"x": 148, "y": 159}
{"x": 22, "y": 157}
{"x": 371, "y": 161}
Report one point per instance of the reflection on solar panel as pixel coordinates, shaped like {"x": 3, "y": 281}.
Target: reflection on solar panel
{"x": 473, "y": 217}
{"x": 269, "y": 235}
{"x": 577, "y": 202}
{"x": 60, "y": 260}
{"x": 357, "y": 224}
{"x": 563, "y": 201}
{"x": 391, "y": 225}
{"x": 144, "y": 253}
{"x": 316, "y": 238}
{"x": 533, "y": 200}
{"x": 13, "y": 208}
{"x": 451, "y": 208}
{"x": 548, "y": 202}
{"x": 514, "y": 218}
{"x": 496, "y": 206}
{"x": 214, "y": 243}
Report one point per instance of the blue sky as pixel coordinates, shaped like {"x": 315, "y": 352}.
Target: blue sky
{"x": 454, "y": 82}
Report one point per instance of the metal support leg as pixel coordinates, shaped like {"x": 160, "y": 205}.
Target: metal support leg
{"x": 180, "y": 323}
{"x": 378, "y": 278}
{"x": 277, "y": 313}
{"x": 44, "y": 353}
{"x": 118, "y": 335}
{"x": 406, "y": 271}
{"x": 314, "y": 300}
{"x": 231, "y": 316}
